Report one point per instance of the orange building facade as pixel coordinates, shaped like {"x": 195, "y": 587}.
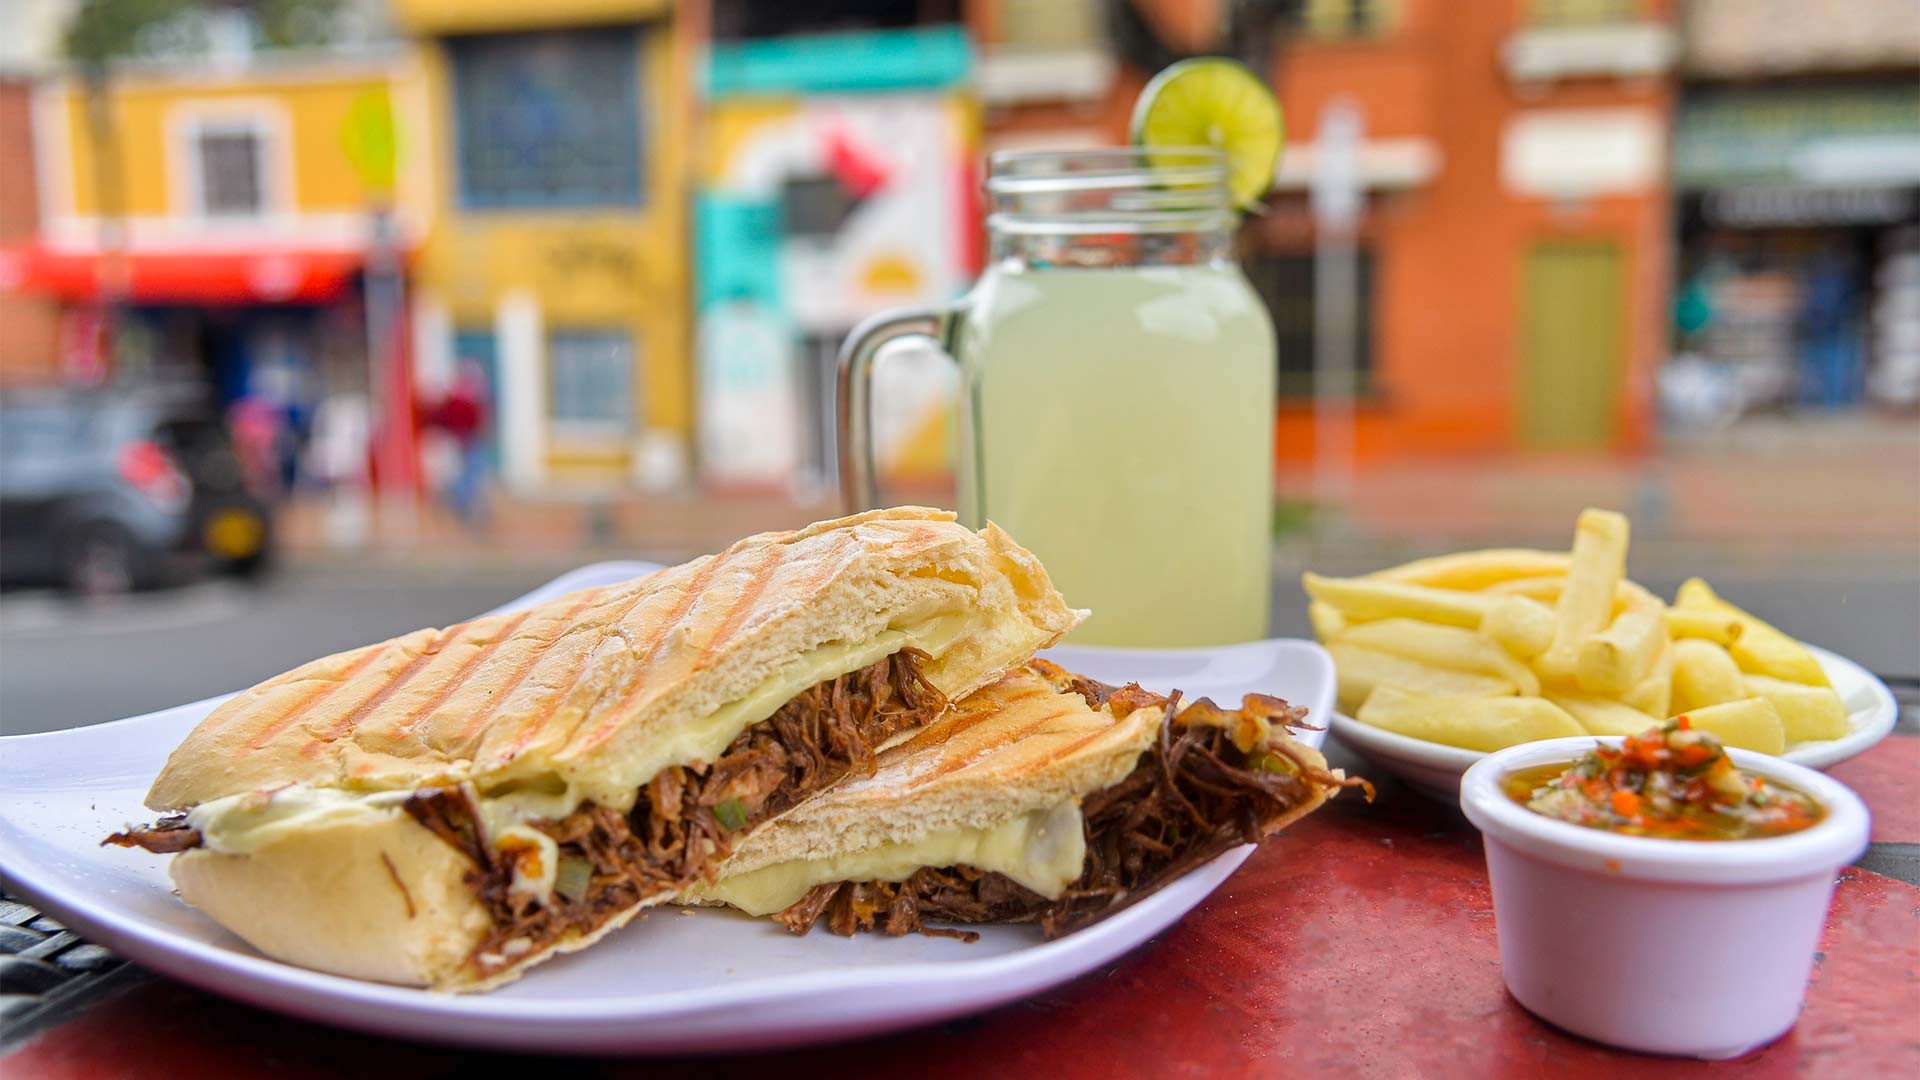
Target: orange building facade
{"x": 1515, "y": 241}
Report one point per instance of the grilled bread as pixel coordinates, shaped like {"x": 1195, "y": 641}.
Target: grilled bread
{"x": 420, "y": 811}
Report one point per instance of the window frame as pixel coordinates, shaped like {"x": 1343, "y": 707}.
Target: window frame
{"x": 632, "y": 103}
{"x": 1581, "y": 14}
{"x": 1361, "y": 20}
{"x": 1001, "y": 17}
{"x": 265, "y": 121}
{"x": 582, "y": 430}
{"x": 1298, "y": 385}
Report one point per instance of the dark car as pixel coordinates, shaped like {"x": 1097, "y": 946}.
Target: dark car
{"x": 104, "y": 492}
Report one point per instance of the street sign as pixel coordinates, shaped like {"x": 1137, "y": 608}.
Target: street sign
{"x": 368, "y": 139}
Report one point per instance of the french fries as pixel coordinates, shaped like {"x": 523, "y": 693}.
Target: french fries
{"x": 1627, "y": 596}
{"x": 1614, "y": 660}
{"x": 1475, "y": 723}
{"x": 1601, "y": 716}
{"x": 1362, "y": 599}
{"x": 1483, "y": 649}
{"x": 1544, "y": 589}
{"x": 1750, "y": 724}
{"x": 1362, "y": 669}
{"x": 1654, "y": 694}
{"x": 1444, "y": 646}
{"x": 1471, "y": 571}
{"x": 1760, "y": 649}
{"x": 1807, "y": 712}
{"x": 1714, "y": 626}
{"x": 1326, "y": 619}
{"x": 1599, "y": 563}
{"x": 1523, "y": 627}
{"x": 1703, "y": 675}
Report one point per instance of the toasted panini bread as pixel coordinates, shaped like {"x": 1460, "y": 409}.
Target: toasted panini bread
{"x": 451, "y": 806}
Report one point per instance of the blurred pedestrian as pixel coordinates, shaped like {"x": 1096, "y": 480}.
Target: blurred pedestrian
{"x": 254, "y": 425}
{"x": 463, "y": 413}
{"x": 1832, "y": 368}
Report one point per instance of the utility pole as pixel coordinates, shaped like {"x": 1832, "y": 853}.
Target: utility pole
{"x": 1336, "y": 200}
{"x": 390, "y": 381}
{"x": 113, "y": 274}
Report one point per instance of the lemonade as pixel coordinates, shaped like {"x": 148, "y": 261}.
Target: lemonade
{"x": 1119, "y": 423}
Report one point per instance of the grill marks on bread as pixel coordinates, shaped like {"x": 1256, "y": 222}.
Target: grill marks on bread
{"x": 428, "y": 707}
{"x": 372, "y": 701}
{"x": 313, "y": 699}
{"x": 594, "y": 676}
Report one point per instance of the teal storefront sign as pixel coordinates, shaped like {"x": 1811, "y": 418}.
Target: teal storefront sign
{"x": 919, "y": 58}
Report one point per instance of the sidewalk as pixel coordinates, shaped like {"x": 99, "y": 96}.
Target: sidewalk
{"x": 1829, "y": 482}
{"x": 615, "y": 524}
{"x": 1839, "y": 487}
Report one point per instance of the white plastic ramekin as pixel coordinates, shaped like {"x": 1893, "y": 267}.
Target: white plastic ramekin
{"x": 1692, "y": 948}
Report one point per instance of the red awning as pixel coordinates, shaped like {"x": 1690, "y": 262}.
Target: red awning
{"x": 284, "y": 276}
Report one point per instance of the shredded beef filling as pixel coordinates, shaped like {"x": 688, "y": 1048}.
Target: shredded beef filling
{"x": 164, "y": 837}
{"x": 683, "y": 820}
{"x": 1193, "y": 795}
{"x": 953, "y": 894}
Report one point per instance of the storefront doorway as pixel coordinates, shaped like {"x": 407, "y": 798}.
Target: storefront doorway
{"x": 1571, "y": 345}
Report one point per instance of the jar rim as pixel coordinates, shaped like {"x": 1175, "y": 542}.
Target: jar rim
{"x": 1114, "y": 153}
{"x": 1018, "y": 172}
{"x": 1111, "y": 189}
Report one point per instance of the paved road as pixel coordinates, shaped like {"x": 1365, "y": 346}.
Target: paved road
{"x": 63, "y": 665}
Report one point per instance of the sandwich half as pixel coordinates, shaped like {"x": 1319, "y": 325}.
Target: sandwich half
{"x": 452, "y": 806}
{"x": 1045, "y": 798}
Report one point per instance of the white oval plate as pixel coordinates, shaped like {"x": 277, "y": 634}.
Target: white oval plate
{"x": 710, "y": 980}
{"x": 1435, "y": 769}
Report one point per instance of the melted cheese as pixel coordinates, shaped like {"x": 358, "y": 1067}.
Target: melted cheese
{"x": 1044, "y": 850}
{"x": 238, "y": 824}
{"x": 243, "y": 823}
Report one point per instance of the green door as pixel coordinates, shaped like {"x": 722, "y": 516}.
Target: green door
{"x": 1573, "y": 327}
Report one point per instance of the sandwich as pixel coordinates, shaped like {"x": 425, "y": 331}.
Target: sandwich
{"x": 450, "y": 807}
{"x": 1046, "y": 798}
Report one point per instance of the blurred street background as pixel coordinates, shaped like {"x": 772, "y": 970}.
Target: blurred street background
{"x": 321, "y": 320}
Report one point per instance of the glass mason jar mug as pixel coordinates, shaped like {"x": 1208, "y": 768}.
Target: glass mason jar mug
{"x": 1116, "y": 392}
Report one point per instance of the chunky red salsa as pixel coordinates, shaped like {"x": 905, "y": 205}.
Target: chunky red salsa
{"x": 1669, "y": 782}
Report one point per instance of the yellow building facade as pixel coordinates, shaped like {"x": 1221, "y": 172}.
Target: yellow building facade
{"x": 556, "y": 257}
{"x": 207, "y": 223}
{"x": 302, "y": 111}
{"x": 274, "y": 156}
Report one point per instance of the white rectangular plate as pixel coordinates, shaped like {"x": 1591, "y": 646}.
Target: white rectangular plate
{"x": 672, "y": 982}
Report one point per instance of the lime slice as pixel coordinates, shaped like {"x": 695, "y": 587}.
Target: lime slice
{"x": 1213, "y": 101}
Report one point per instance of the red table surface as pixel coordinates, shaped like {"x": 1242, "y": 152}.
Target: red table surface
{"x": 1885, "y": 777}
{"x": 1360, "y": 942}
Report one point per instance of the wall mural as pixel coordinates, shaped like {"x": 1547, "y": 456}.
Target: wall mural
{"x": 816, "y": 213}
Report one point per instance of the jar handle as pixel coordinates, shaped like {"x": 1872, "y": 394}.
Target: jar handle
{"x": 858, "y": 487}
